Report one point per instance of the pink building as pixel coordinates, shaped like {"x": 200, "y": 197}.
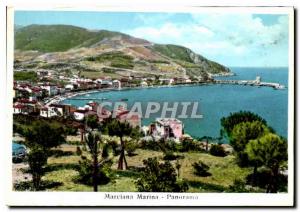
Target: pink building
{"x": 167, "y": 128}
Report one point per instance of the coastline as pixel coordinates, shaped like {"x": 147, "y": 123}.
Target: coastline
{"x": 59, "y": 98}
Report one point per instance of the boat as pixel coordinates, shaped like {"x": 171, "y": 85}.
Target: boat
{"x": 124, "y": 100}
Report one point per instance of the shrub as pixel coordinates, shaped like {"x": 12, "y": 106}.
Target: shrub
{"x": 169, "y": 155}
{"x": 86, "y": 173}
{"x": 78, "y": 151}
{"x": 150, "y": 145}
{"x": 217, "y": 150}
{"x": 130, "y": 148}
{"x": 190, "y": 145}
{"x": 201, "y": 169}
{"x": 159, "y": 177}
{"x": 238, "y": 187}
{"x": 71, "y": 131}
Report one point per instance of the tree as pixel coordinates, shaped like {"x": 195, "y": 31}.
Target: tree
{"x": 121, "y": 129}
{"x": 201, "y": 169}
{"x": 271, "y": 151}
{"x": 159, "y": 177}
{"x": 217, "y": 150}
{"x": 228, "y": 123}
{"x": 178, "y": 166}
{"x": 40, "y": 138}
{"x": 45, "y": 135}
{"x": 37, "y": 159}
{"x": 240, "y": 136}
{"x": 95, "y": 168}
{"x": 92, "y": 122}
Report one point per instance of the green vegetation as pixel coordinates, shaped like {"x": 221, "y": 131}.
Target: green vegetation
{"x": 217, "y": 150}
{"x": 56, "y": 38}
{"x": 25, "y": 76}
{"x": 201, "y": 169}
{"x": 159, "y": 177}
{"x": 256, "y": 145}
{"x": 96, "y": 170}
{"x": 174, "y": 52}
{"x": 40, "y": 138}
{"x": 228, "y": 123}
{"x": 121, "y": 129}
{"x": 116, "y": 59}
{"x": 37, "y": 159}
{"x": 186, "y": 58}
{"x": 185, "y": 166}
{"x": 61, "y": 38}
{"x": 270, "y": 151}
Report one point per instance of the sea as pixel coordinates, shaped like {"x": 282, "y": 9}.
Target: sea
{"x": 214, "y": 101}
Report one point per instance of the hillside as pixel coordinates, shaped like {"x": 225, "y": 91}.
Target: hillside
{"x": 70, "y": 49}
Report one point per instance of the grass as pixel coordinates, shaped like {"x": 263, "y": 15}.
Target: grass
{"x": 223, "y": 170}
{"x": 25, "y": 76}
{"x": 62, "y": 172}
{"x": 115, "y": 59}
{"x": 53, "y": 38}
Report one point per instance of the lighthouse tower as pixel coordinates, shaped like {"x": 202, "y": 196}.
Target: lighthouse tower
{"x": 258, "y": 80}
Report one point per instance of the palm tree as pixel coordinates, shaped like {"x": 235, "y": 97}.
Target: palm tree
{"x": 96, "y": 148}
{"x": 121, "y": 129}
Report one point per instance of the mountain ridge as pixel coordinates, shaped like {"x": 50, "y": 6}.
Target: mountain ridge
{"x": 39, "y": 44}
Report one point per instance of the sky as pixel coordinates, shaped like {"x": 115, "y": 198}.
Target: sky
{"x": 244, "y": 40}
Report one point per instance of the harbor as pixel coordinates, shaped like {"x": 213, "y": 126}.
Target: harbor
{"x": 256, "y": 82}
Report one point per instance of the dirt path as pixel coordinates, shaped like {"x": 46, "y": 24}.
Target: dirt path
{"x": 17, "y": 173}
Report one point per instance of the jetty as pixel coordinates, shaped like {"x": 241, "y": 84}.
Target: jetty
{"x": 256, "y": 82}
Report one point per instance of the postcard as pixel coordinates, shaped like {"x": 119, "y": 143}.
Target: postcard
{"x": 116, "y": 106}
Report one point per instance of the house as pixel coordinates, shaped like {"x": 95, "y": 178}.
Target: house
{"x": 51, "y": 111}
{"x": 183, "y": 80}
{"x": 123, "y": 115}
{"x": 98, "y": 81}
{"x": 42, "y": 73}
{"x": 69, "y": 87}
{"x": 167, "y": 128}
{"x": 19, "y": 109}
{"x": 144, "y": 84}
{"x": 51, "y": 90}
{"x": 92, "y": 106}
{"x": 30, "y": 105}
{"x": 79, "y": 114}
{"x": 116, "y": 84}
{"x": 166, "y": 81}
{"x": 106, "y": 84}
{"x": 37, "y": 92}
{"x": 61, "y": 89}
{"x": 125, "y": 82}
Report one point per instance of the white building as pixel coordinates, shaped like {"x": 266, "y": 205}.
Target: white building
{"x": 69, "y": 87}
{"x": 166, "y": 81}
{"x": 51, "y": 89}
{"x": 116, "y": 84}
{"x": 144, "y": 84}
{"x": 79, "y": 114}
{"x": 51, "y": 111}
{"x": 19, "y": 108}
